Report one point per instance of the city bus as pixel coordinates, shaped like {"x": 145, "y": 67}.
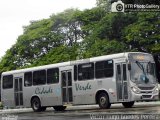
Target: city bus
{"x": 118, "y": 78}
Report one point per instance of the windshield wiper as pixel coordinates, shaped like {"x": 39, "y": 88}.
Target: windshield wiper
{"x": 140, "y": 66}
{"x": 143, "y": 77}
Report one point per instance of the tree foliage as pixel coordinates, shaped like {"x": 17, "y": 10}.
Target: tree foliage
{"x": 144, "y": 34}
{"x": 74, "y": 34}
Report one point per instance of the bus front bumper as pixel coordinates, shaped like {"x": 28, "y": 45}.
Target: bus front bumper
{"x": 144, "y": 97}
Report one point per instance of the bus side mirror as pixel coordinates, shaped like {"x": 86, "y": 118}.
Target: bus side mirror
{"x": 129, "y": 66}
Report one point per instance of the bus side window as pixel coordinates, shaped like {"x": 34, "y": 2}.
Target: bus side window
{"x": 28, "y": 79}
{"x": 124, "y": 72}
{"x": 8, "y": 82}
{"x": 86, "y": 71}
{"x": 104, "y": 69}
{"x": 39, "y": 77}
{"x": 118, "y": 74}
{"x": 75, "y": 72}
{"x": 118, "y": 69}
{"x": 52, "y": 75}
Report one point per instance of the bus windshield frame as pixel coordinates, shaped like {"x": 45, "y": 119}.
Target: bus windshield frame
{"x": 143, "y": 70}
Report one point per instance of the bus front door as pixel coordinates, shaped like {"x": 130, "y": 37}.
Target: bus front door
{"x": 18, "y": 91}
{"x": 66, "y": 77}
{"x": 121, "y": 82}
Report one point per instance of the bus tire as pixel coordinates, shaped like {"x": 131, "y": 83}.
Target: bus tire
{"x": 36, "y": 104}
{"x": 103, "y": 101}
{"x": 128, "y": 104}
{"x": 59, "y": 108}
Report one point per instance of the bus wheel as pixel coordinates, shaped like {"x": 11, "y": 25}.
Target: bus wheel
{"x": 59, "y": 108}
{"x": 103, "y": 101}
{"x": 36, "y": 104}
{"x": 128, "y": 104}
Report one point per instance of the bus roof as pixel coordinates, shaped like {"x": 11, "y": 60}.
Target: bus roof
{"x": 93, "y": 59}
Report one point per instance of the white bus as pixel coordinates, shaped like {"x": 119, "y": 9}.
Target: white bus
{"x": 104, "y": 80}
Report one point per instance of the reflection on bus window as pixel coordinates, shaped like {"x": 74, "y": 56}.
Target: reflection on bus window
{"x": 86, "y": 71}
{"x": 52, "y": 75}
{"x": 142, "y": 71}
{"x": 39, "y": 77}
{"x": 28, "y": 79}
{"x": 104, "y": 69}
{"x": 8, "y": 82}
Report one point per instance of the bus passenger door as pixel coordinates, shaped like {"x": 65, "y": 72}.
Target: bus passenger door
{"x": 18, "y": 91}
{"x": 121, "y": 82}
{"x": 66, "y": 78}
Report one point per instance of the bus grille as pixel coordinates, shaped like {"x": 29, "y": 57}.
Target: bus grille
{"x": 146, "y": 88}
{"x": 146, "y": 92}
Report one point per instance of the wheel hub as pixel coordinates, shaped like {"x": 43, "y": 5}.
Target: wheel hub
{"x": 35, "y": 105}
{"x": 102, "y": 100}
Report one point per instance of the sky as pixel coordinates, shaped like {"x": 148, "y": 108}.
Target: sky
{"x": 14, "y": 14}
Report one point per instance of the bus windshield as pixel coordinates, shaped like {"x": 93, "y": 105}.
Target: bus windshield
{"x": 143, "y": 72}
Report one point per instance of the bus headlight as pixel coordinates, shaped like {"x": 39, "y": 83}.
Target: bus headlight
{"x": 156, "y": 90}
{"x": 135, "y": 90}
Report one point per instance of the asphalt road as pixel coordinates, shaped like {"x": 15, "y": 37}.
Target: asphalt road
{"x": 140, "y": 111}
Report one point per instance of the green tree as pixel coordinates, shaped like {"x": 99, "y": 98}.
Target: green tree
{"x": 43, "y": 36}
{"x": 67, "y": 25}
{"x": 144, "y": 34}
{"x": 104, "y": 47}
{"x": 74, "y": 34}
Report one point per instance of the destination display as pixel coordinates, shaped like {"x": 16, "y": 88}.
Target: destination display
{"x": 140, "y": 57}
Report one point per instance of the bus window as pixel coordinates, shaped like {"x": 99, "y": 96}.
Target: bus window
{"x": 124, "y": 72}
{"x": 8, "y": 82}
{"x": 86, "y": 71}
{"x": 118, "y": 69}
{"x": 39, "y": 77}
{"x": 75, "y": 72}
{"x": 28, "y": 79}
{"x": 104, "y": 69}
{"x": 52, "y": 75}
{"x": 64, "y": 80}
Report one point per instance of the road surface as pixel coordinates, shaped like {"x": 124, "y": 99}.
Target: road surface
{"x": 140, "y": 111}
